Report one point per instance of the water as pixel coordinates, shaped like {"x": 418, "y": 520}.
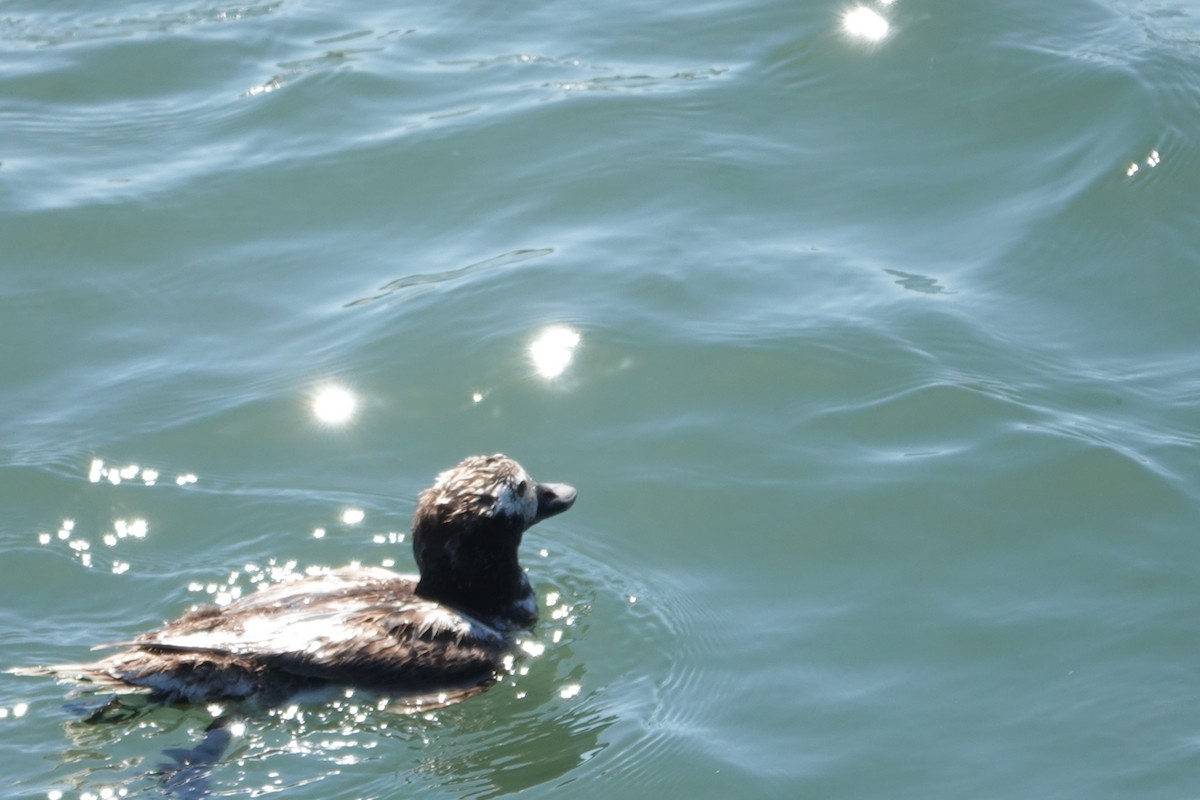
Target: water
{"x": 884, "y": 409}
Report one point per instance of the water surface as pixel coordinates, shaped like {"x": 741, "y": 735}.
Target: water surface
{"x": 876, "y": 371}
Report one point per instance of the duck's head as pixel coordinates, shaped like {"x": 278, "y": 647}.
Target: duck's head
{"x": 466, "y": 531}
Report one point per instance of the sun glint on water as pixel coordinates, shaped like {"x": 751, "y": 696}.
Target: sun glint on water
{"x": 334, "y": 405}
{"x": 553, "y": 350}
{"x": 864, "y": 23}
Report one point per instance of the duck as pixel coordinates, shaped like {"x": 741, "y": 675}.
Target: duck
{"x": 444, "y": 631}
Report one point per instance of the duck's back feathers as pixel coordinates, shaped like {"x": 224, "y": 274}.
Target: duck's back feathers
{"x": 345, "y": 628}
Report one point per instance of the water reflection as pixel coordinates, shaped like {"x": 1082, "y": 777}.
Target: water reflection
{"x": 491, "y": 757}
{"x": 1151, "y": 162}
{"x": 18, "y": 711}
{"x": 81, "y": 548}
{"x": 334, "y": 405}
{"x": 98, "y": 471}
{"x": 553, "y": 350}
{"x": 865, "y": 23}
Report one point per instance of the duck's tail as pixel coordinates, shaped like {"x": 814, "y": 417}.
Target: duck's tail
{"x": 93, "y": 675}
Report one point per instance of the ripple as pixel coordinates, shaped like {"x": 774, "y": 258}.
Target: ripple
{"x": 654, "y": 684}
{"x": 638, "y": 82}
{"x": 297, "y": 68}
{"x": 917, "y": 283}
{"x": 413, "y": 285}
{"x": 1164, "y": 22}
{"x": 577, "y": 76}
{"x": 45, "y": 30}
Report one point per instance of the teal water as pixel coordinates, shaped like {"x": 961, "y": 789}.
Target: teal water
{"x": 884, "y": 407}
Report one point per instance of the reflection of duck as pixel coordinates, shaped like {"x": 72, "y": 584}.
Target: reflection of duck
{"x": 361, "y": 626}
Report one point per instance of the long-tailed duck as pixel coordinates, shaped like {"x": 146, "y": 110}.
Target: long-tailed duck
{"x": 367, "y": 627}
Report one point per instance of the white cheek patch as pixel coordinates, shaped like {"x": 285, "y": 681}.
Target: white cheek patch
{"x": 511, "y": 503}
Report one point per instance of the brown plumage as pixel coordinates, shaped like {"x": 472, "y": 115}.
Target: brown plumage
{"x": 364, "y": 627}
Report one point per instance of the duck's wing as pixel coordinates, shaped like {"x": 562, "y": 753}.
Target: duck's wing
{"x": 375, "y": 635}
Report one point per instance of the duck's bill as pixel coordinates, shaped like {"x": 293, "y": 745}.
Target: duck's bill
{"x": 553, "y": 498}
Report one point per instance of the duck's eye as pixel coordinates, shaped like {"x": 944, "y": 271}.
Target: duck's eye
{"x": 522, "y": 487}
